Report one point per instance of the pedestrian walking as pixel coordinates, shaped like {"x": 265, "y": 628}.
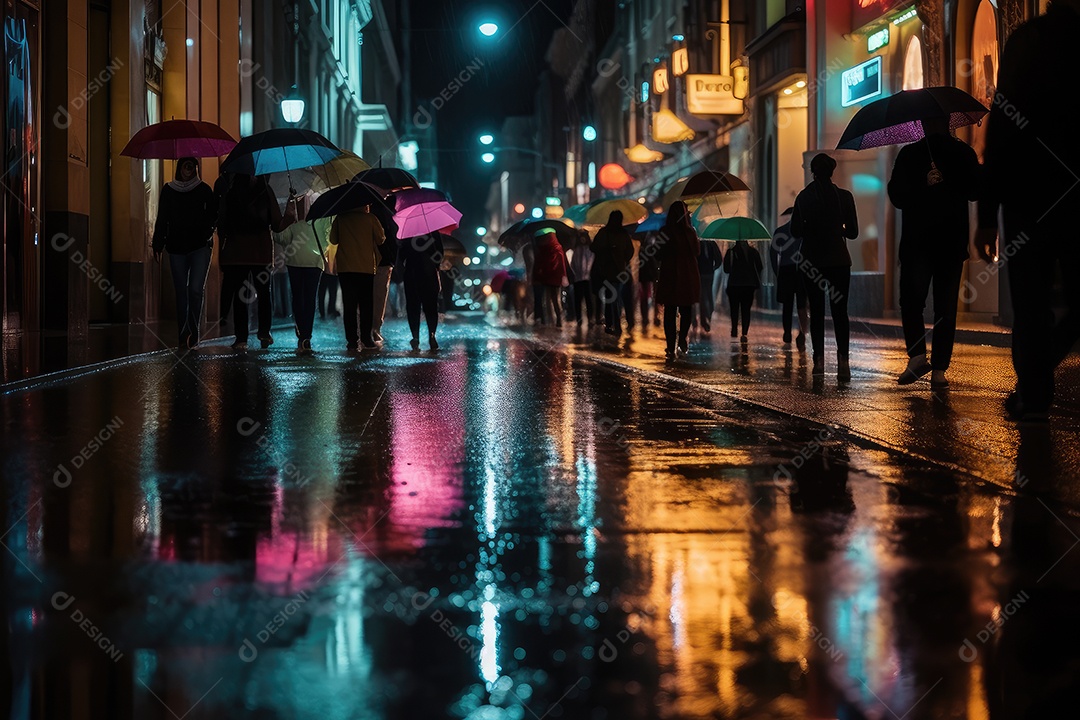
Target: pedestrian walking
{"x": 187, "y": 214}
{"x": 648, "y": 273}
{"x": 302, "y": 244}
{"x": 628, "y": 299}
{"x": 743, "y": 265}
{"x": 784, "y": 250}
{"x": 420, "y": 258}
{"x": 249, "y": 213}
{"x": 357, "y": 234}
{"x": 549, "y": 273}
{"x": 384, "y": 271}
{"x": 581, "y": 262}
{"x": 709, "y": 261}
{"x": 1031, "y": 157}
{"x": 932, "y": 181}
{"x": 824, "y": 217}
{"x": 328, "y": 295}
{"x": 678, "y": 287}
{"x": 613, "y": 250}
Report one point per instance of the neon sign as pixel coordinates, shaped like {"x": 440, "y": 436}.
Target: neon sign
{"x": 861, "y": 82}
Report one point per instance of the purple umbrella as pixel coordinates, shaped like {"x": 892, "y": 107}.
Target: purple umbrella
{"x": 897, "y": 119}
{"x": 409, "y": 197}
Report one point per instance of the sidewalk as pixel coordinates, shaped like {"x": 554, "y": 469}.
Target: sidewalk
{"x": 962, "y": 428}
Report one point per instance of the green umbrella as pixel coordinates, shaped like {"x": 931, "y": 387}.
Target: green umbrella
{"x": 736, "y": 228}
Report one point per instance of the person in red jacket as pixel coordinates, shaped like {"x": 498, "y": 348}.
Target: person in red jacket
{"x": 549, "y": 272}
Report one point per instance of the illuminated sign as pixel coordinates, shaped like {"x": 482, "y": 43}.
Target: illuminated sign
{"x": 878, "y": 40}
{"x": 905, "y": 16}
{"x": 712, "y": 95}
{"x": 645, "y": 91}
{"x": 680, "y": 62}
{"x": 551, "y": 201}
{"x": 861, "y": 82}
{"x": 660, "y": 81}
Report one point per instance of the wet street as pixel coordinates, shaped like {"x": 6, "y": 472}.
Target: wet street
{"x": 508, "y": 529}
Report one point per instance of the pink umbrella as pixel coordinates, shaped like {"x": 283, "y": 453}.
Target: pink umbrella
{"x": 425, "y": 218}
{"x": 174, "y": 139}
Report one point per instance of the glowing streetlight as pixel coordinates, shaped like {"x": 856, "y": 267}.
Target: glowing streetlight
{"x": 588, "y": 133}
{"x": 537, "y": 213}
{"x": 481, "y": 231}
{"x": 487, "y": 139}
{"x": 488, "y": 157}
{"x": 488, "y": 29}
{"x": 481, "y": 249}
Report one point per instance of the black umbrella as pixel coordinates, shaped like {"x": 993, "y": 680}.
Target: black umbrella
{"x": 409, "y": 197}
{"x": 898, "y": 118}
{"x": 712, "y": 181}
{"x": 350, "y": 196}
{"x": 389, "y": 179}
{"x": 523, "y": 231}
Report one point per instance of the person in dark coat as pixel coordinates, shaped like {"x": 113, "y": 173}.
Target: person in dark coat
{"x": 709, "y": 261}
{"x": 187, "y": 214}
{"x": 743, "y": 266}
{"x": 790, "y": 288}
{"x": 1032, "y": 157}
{"x": 549, "y": 272}
{"x": 648, "y": 273}
{"x": 613, "y": 250}
{"x": 825, "y": 218}
{"x": 420, "y": 259}
{"x": 249, "y": 213}
{"x": 678, "y": 287}
{"x": 932, "y": 181}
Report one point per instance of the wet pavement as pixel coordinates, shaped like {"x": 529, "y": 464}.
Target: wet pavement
{"x": 509, "y": 529}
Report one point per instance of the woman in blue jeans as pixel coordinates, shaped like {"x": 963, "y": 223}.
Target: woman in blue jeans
{"x": 187, "y": 213}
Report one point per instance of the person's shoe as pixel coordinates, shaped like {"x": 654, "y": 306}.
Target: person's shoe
{"x": 669, "y": 353}
{"x": 683, "y": 348}
{"x": 706, "y": 328}
{"x": 369, "y": 346}
{"x": 415, "y": 343}
{"x": 800, "y": 342}
{"x": 239, "y": 345}
{"x": 744, "y": 339}
{"x": 265, "y": 341}
{"x": 843, "y": 369}
{"x": 432, "y": 342}
{"x": 787, "y": 338}
{"x": 1019, "y": 412}
{"x": 352, "y": 346}
{"x": 938, "y": 381}
{"x": 819, "y": 365}
{"x": 305, "y": 345}
{"x": 916, "y": 367}
{"x": 734, "y": 332}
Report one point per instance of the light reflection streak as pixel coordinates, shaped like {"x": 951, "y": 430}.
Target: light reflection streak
{"x": 489, "y": 632}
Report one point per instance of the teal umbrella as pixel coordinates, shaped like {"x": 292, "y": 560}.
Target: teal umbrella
{"x": 736, "y": 228}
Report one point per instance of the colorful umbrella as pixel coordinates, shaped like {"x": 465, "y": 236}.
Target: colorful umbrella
{"x": 389, "y": 179}
{"x": 414, "y": 196}
{"x": 597, "y": 212}
{"x": 898, "y": 118}
{"x": 318, "y": 178}
{"x": 736, "y": 228}
{"x": 280, "y": 150}
{"x": 653, "y": 223}
{"x": 425, "y": 218}
{"x": 343, "y": 198}
{"x": 174, "y": 139}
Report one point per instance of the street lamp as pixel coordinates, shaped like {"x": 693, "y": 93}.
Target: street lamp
{"x": 487, "y": 29}
{"x": 292, "y": 107}
{"x": 481, "y": 231}
{"x": 488, "y": 157}
{"x": 487, "y": 139}
{"x": 537, "y": 213}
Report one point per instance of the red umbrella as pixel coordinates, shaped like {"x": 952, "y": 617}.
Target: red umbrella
{"x": 174, "y": 139}
{"x": 498, "y": 280}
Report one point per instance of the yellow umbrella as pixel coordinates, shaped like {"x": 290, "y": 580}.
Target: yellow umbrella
{"x": 596, "y": 213}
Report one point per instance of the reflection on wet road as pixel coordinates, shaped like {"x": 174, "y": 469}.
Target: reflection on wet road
{"x": 502, "y": 532}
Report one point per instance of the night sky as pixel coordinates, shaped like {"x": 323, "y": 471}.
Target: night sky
{"x": 445, "y": 41}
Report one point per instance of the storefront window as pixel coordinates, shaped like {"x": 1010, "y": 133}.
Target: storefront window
{"x": 984, "y": 57}
{"x": 913, "y": 65}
